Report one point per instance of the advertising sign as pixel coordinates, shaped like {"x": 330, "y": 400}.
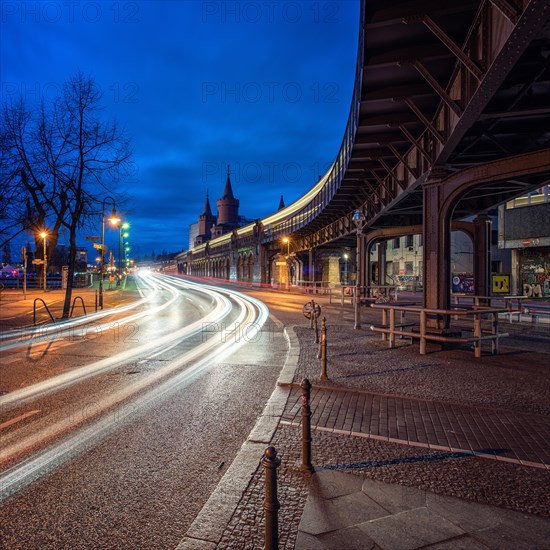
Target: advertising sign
{"x": 501, "y": 284}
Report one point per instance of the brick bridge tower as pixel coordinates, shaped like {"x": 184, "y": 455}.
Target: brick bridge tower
{"x": 206, "y": 221}
{"x": 228, "y": 206}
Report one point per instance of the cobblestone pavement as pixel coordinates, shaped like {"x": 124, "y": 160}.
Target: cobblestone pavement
{"x": 495, "y": 402}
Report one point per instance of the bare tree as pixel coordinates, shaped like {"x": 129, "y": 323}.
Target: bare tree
{"x": 67, "y": 156}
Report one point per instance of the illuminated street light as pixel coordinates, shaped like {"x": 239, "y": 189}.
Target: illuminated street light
{"x": 346, "y": 270}
{"x": 359, "y": 220}
{"x": 44, "y": 235}
{"x": 113, "y": 220}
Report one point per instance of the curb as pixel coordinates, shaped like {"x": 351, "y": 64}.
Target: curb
{"x": 207, "y": 528}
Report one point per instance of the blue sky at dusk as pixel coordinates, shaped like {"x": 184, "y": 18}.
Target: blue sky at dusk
{"x": 263, "y": 86}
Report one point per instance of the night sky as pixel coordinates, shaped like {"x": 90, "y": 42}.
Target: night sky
{"x": 262, "y": 86}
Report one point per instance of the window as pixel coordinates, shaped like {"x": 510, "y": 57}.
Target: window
{"x": 396, "y": 242}
{"x": 538, "y": 196}
{"x": 409, "y": 241}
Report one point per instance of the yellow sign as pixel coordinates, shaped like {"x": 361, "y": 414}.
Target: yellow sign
{"x": 501, "y": 284}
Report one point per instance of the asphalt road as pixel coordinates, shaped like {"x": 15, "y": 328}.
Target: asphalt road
{"x": 115, "y": 437}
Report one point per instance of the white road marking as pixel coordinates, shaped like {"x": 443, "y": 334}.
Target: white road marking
{"x": 18, "y": 419}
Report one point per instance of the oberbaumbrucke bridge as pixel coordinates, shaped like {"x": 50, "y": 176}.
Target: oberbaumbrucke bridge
{"x": 450, "y": 116}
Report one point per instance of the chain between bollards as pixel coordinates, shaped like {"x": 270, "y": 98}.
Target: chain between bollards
{"x": 270, "y": 461}
{"x": 306, "y": 427}
{"x": 323, "y": 350}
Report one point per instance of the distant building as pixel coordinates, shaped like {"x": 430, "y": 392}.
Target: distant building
{"x": 524, "y": 227}
{"x": 193, "y": 233}
{"x": 60, "y": 257}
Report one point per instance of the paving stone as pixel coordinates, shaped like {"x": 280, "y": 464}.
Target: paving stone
{"x": 410, "y": 529}
{"x": 518, "y": 532}
{"x": 321, "y": 515}
{"x": 394, "y": 498}
{"x": 460, "y": 543}
{"x": 329, "y": 484}
{"x": 351, "y": 538}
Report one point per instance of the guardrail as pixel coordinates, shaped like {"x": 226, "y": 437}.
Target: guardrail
{"x": 390, "y": 328}
{"x": 508, "y": 299}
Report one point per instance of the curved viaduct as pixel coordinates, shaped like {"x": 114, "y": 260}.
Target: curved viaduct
{"x": 449, "y": 117}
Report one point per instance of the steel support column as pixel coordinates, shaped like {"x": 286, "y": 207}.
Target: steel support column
{"x": 437, "y": 245}
{"x": 382, "y": 248}
{"x": 482, "y": 255}
{"x": 311, "y": 265}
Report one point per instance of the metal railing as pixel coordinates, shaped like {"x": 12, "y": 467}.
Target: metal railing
{"x": 45, "y": 306}
{"x": 403, "y": 328}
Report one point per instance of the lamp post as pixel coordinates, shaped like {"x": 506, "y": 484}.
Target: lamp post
{"x": 286, "y": 240}
{"x": 114, "y": 219}
{"x": 359, "y": 220}
{"x": 346, "y": 269}
{"x": 121, "y": 246}
{"x": 44, "y": 235}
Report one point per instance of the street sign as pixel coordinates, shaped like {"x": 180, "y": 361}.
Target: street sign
{"x": 93, "y": 238}
{"x": 38, "y": 262}
{"x": 100, "y": 246}
{"x": 307, "y": 310}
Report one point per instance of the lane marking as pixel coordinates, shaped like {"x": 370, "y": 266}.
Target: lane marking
{"x": 18, "y": 419}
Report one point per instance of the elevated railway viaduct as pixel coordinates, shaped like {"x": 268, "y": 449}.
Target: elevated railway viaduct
{"x": 450, "y": 116}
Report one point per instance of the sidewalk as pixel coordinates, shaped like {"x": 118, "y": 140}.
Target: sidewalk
{"x": 17, "y": 311}
{"x": 439, "y": 427}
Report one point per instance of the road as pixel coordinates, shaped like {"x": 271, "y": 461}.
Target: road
{"x": 115, "y": 428}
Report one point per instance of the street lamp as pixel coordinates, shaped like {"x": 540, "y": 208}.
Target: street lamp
{"x": 346, "y": 270}
{"x": 359, "y": 220}
{"x": 114, "y": 220}
{"x": 123, "y": 244}
{"x": 44, "y": 235}
{"x": 122, "y": 227}
{"x": 286, "y": 240}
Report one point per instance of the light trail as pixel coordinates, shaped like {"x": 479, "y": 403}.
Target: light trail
{"x": 221, "y": 310}
{"x": 202, "y": 358}
{"x": 35, "y": 335}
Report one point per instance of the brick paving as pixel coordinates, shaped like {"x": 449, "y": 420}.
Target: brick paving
{"x": 497, "y": 434}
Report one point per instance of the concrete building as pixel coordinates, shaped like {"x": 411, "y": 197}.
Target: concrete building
{"x": 524, "y": 228}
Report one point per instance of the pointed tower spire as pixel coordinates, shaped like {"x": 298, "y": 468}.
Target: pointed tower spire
{"x": 207, "y": 210}
{"x": 228, "y": 205}
{"x": 228, "y": 191}
{"x": 281, "y": 204}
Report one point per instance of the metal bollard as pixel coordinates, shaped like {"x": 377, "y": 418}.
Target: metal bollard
{"x": 323, "y": 350}
{"x": 270, "y": 461}
{"x": 306, "y": 427}
{"x": 316, "y": 326}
